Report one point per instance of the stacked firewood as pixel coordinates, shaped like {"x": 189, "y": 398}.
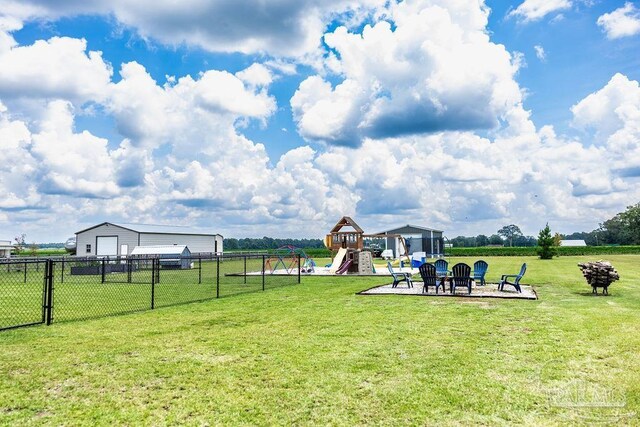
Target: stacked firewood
{"x": 599, "y": 273}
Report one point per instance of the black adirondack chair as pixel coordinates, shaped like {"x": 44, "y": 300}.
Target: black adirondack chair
{"x": 442, "y": 267}
{"x": 479, "y": 270}
{"x": 461, "y": 276}
{"x": 506, "y": 279}
{"x": 429, "y": 277}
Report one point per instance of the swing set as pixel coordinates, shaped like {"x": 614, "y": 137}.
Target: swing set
{"x": 287, "y": 258}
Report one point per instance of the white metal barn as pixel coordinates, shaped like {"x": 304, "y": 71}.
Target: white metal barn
{"x": 109, "y": 239}
{"x": 5, "y": 248}
{"x": 573, "y": 243}
{"x": 171, "y": 256}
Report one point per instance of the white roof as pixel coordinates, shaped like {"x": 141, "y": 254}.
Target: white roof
{"x": 573, "y": 243}
{"x": 160, "y": 229}
{"x": 417, "y": 227}
{"x": 158, "y": 250}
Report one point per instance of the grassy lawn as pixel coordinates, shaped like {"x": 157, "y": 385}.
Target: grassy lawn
{"x": 316, "y": 353}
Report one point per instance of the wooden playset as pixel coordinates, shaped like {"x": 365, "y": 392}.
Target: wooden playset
{"x": 347, "y": 247}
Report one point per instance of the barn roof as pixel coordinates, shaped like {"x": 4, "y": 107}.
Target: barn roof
{"x": 156, "y": 229}
{"x": 417, "y": 227}
{"x": 575, "y": 242}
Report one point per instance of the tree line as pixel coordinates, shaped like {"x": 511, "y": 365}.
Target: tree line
{"x": 622, "y": 229}
{"x": 232, "y": 244}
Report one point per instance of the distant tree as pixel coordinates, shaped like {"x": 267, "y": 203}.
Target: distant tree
{"x": 20, "y": 242}
{"x": 624, "y": 228}
{"x": 33, "y": 249}
{"x": 509, "y": 232}
{"x": 231, "y": 244}
{"x": 494, "y": 239}
{"x": 459, "y": 242}
{"x": 546, "y": 247}
{"x": 525, "y": 241}
{"x": 482, "y": 240}
{"x": 263, "y": 243}
{"x": 557, "y": 238}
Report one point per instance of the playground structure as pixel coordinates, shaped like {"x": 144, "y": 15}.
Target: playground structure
{"x": 349, "y": 250}
{"x": 287, "y": 257}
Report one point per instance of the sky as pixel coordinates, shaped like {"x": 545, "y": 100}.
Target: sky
{"x": 277, "y": 118}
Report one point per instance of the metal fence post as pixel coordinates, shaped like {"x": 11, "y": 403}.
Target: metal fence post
{"x": 263, "y": 261}
{"x": 218, "y": 276}
{"x": 49, "y": 292}
{"x": 299, "y": 268}
{"x": 200, "y": 269}
{"x": 153, "y": 283}
{"x": 62, "y": 272}
{"x": 104, "y": 263}
{"x": 45, "y": 295}
{"x": 129, "y": 266}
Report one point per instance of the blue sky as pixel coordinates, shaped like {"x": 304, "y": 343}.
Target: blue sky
{"x": 278, "y": 118}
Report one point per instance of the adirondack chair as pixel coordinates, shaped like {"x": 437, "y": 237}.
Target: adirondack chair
{"x": 516, "y": 279}
{"x": 479, "y": 270}
{"x": 461, "y": 276}
{"x": 399, "y": 277}
{"x": 429, "y": 277}
{"x": 442, "y": 267}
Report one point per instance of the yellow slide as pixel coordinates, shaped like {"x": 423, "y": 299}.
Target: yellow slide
{"x": 337, "y": 261}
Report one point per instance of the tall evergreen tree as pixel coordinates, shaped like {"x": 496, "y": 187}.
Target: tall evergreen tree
{"x": 546, "y": 246}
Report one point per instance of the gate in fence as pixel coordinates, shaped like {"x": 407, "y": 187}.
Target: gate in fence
{"x": 63, "y": 289}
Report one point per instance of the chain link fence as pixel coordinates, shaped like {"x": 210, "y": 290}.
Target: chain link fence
{"x": 73, "y": 288}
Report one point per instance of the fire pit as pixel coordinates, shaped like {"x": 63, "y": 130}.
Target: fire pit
{"x": 599, "y": 274}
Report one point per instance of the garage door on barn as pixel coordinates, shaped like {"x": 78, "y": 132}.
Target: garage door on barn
{"x": 107, "y": 246}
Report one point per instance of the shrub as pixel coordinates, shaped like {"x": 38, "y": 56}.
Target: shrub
{"x": 532, "y": 251}
{"x": 546, "y": 244}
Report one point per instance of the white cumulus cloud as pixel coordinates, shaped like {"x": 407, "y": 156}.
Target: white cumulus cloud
{"x": 56, "y": 68}
{"x": 285, "y": 27}
{"x": 434, "y": 70}
{"x": 622, "y": 22}
{"x": 533, "y": 10}
{"x": 613, "y": 114}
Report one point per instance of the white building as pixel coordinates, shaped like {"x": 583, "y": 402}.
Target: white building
{"x": 109, "y": 239}
{"x": 176, "y": 256}
{"x": 573, "y": 243}
{"x": 5, "y": 248}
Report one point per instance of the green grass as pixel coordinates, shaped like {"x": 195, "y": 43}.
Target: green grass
{"x": 533, "y": 251}
{"x": 316, "y": 353}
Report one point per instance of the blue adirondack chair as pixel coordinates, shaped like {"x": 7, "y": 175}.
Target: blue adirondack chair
{"x": 399, "y": 277}
{"x": 516, "y": 279}
{"x": 429, "y": 277}
{"x": 442, "y": 267}
{"x": 461, "y": 276}
{"x": 479, "y": 270}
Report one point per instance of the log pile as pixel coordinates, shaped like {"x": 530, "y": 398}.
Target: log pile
{"x": 599, "y": 274}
